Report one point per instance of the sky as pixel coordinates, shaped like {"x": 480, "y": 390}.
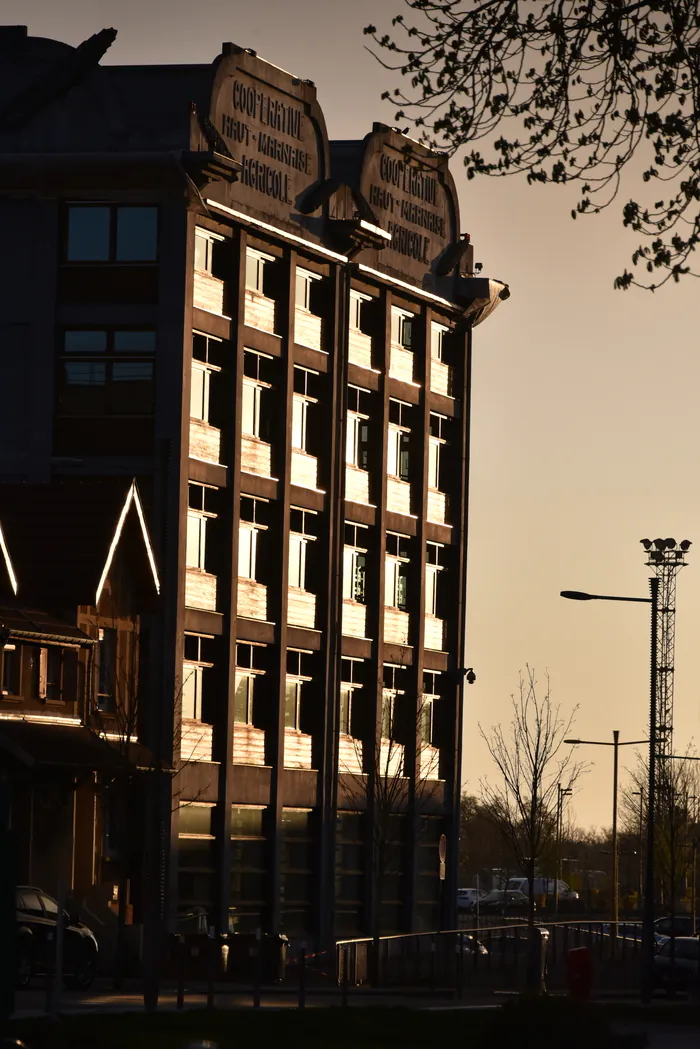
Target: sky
{"x": 586, "y": 421}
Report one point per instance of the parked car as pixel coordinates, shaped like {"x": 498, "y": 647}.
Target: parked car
{"x": 37, "y": 920}
{"x": 543, "y": 887}
{"x": 466, "y": 898}
{"x": 508, "y": 901}
{"x": 681, "y": 925}
{"x": 686, "y": 964}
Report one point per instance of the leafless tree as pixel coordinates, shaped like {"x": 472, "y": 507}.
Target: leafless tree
{"x": 530, "y": 766}
{"x": 566, "y": 90}
{"x": 677, "y": 793}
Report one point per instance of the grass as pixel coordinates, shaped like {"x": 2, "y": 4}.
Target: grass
{"x": 554, "y": 1023}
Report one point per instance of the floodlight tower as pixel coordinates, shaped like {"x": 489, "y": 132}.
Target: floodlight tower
{"x": 666, "y": 557}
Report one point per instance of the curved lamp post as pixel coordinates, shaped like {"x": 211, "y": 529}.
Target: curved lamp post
{"x": 648, "y": 919}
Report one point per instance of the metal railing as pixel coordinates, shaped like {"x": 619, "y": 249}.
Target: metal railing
{"x": 488, "y": 955}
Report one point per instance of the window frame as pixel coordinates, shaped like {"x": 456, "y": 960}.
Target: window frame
{"x": 109, "y": 358}
{"x": 113, "y": 208}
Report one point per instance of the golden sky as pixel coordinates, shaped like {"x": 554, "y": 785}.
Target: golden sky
{"x": 585, "y": 400}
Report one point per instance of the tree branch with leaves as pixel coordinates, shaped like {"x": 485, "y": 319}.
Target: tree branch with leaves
{"x": 564, "y": 91}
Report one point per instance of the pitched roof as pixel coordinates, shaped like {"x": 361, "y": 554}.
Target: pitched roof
{"x": 61, "y": 538}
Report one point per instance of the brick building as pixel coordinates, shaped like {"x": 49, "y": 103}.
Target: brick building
{"x": 273, "y": 334}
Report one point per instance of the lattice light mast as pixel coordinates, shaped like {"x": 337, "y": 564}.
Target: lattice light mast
{"x": 666, "y": 557}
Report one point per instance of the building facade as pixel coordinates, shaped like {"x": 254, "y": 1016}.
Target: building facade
{"x": 273, "y": 334}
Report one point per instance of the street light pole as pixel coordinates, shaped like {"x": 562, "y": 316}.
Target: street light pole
{"x": 648, "y": 917}
{"x": 615, "y": 857}
{"x": 640, "y": 896}
{"x": 562, "y": 792}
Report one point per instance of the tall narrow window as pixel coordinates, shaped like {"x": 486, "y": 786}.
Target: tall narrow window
{"x": 255, "y": 409}
{"x": 255, "y": 270}
{"x": 207, "y": 249}
{"x": 357, "y": 301}
{"x": 199, "y": 516}
{"x": 388, "y": 702}
{"x": 297, "y": 561}
{"x": 198, "y": 652}
{"x": 402, "y": 328}
{"x": 433, "y": 568}
{"x": 305, "y": 281}
{"x": 107, "y": 669}
{"x": 243, "y": 703}
{"x": 11, "y": 661}
{"x": 292, "y": 703}
{"x": 247, "y": 551}
{"x": 355, "y": 563}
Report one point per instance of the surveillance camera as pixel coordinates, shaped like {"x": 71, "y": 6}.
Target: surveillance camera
{"x": 471, "y": 676}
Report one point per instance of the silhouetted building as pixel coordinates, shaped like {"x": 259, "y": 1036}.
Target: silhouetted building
{"x": 273, "y": 335}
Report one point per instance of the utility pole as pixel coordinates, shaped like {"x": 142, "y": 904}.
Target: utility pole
{"x": 615, "y": 856}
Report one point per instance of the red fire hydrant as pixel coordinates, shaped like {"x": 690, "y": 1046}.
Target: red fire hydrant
{"x": 579, "y": 970}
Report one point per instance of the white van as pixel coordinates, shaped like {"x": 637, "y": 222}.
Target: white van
{"x": 542, "y": 887}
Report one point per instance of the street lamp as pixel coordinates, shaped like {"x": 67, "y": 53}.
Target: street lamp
{"x": 616, "y": 744}
{"x": 562, "y": 792}
{"x": 648, "y": 921}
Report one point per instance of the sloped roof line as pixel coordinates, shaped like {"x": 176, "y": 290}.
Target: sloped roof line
{"x": 8, "y": 561}
{"x": 132, "y": 497}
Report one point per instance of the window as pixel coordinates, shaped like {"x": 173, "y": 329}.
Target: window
{"x": 305, "y": 389}
{"x": 255, "y": 270}
{"x": 243, "y": 704}
{"x": 256, "y": 386}
{"x": 303, "y": 525}
{"x": 357, "y": 442}
{"x": 356, "y": 311}
{"x": 251, "y": 531}
{"x": 247, "y": 551}
{"x": 106, "y": 372}
{"x": 355, "y": 563}
{"x": 11, "y": 662}
{"x": 434, "y": 565}
{"x": 388, "y": 706}
{"x": 292, "y": 703}
{"x": 438, "y": 338}
{"x": 399, "y": 440}
{"x": 112, "y": 233}
{"x": 396, "y": 570}
{"x": 198, "y": 658}
{"x": 426, "y": 720}
{"x": 402, "y": 328}
{"x": 351, "y": 682}
{"x": 298, "y": 674}
{"x": 107, "y": 669}
{"x": 208, "y": 252}
{"x": 199, "y": 514}
{"x": 434, "y": 447}
{"x": 304, "y": 283}
{"x": 395, "y": 584}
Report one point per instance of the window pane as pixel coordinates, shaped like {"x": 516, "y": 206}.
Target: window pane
{"x": 196, "y": 540}
{"x": 88, "y": 234}
{"x": 84, "y": 388}
{"x": 360, "y": 576}
{"x": 253, "y": 273}
{"x": 85, "y": 341}
{"x": 297, "y": 550}
{"x": 433, "y": 465}
{"x": 299, "y": 409}
{"x": 199, "y": 394}
{"x": 10, "y": 671}
{"x": 202, "y": 256}
{"x": 107, "y": 658}
{"x": 291, "y": 704}
{"x": 137, "y": 233}
{"x": 392, "y": 454}
{"x": 345, "y": 707}
{"x": 131, "y": 391}
{"x": 250, "y": 410}
{"x": 242, "y": 711}
{"x": 302, "y": 291}
{"x": 195, "y": 819}
{"x": 430, "y": 591}
{"x": 135, "y": 342}
{"x": 247, "y": 541}
{"x": 191, "y": 691}
{"x": 50, "y": 906}
{"x": 401, "y": 588}
{"x": 390, "y": 573}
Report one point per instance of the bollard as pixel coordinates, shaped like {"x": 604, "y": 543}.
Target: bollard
{"x": 302, "y": 977}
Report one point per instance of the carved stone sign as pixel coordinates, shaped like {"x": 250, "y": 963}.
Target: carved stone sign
{"x": 412, "y": 195}
{"x": 273, "y": 125}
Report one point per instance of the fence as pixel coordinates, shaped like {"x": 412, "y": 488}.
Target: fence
{"x": 490, "y": 957}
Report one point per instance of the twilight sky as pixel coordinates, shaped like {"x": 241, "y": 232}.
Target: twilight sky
{"x": 585, "y": 404}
